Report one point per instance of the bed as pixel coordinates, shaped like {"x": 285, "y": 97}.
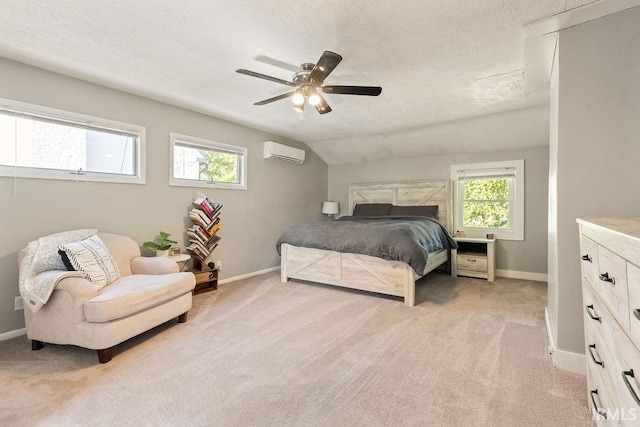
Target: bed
{"x": 365, "y": 272}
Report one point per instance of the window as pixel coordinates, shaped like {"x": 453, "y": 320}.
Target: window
{"x": 197, "y": 162}
{"x": 38, "y": 142}
{"x": 489, "y": 198}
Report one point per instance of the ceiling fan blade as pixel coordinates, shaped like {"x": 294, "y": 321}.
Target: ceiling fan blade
{"x": 277, "y": 63}
{"x": 322, "y": 107}
{"x": 275, "y": 98}
{"x": 265, "y": 77}
{"x": 353, "y": 90}
{"x": 327, "y": 62}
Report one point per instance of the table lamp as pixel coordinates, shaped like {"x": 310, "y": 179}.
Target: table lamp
{"x": 331, "y": 209}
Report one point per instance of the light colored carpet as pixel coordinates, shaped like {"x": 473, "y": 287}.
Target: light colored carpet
{"x": 259, "y": 352}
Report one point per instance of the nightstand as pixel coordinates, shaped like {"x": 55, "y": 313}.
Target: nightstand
{"x": 475, "y": 257}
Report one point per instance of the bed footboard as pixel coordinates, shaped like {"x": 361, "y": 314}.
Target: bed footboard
{"x": 349, "y": 270}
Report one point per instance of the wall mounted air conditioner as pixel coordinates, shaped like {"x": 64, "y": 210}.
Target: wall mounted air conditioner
{"x": 273, "y": 150}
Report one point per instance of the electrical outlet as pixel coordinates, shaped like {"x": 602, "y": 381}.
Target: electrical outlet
{"x": 219, "y": 264}
{"x": 18, "y": 304}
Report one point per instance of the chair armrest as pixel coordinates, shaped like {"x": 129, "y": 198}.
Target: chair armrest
{"x": 80, "y": 288}
{"x": 153, "y": 265}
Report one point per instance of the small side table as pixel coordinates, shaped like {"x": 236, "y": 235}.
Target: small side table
{"x": 475, "y": 257}
{"x": 181, "y": 260}
{"x": 206, "y": 280}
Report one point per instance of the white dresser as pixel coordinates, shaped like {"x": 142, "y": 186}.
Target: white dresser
{"x": 610, "y": 257}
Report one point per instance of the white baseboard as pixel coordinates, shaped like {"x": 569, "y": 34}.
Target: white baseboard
{"x": 564, "y": 360}
{"x": 246, "y": 276}
{"x": 12, "y": 334}
{"x": 524, "y": 275}
{"x": 547, "y": 323}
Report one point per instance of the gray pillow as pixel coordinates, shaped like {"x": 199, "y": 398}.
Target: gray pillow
{"x": 431, "y": 211}
{"x": 372, "y": 209}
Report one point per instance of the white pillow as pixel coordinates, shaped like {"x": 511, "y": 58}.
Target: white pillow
{"x": 91, "y": 257}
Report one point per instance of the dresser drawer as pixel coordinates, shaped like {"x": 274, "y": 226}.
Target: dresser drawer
{"x": 589, "y": 257}
{"x": 472, "y": 263}
{"x": 600, "y": 402}
{"x": 633, "y": 285}
{"x": 612, "y": 284}
{"x": 599, "y": 323}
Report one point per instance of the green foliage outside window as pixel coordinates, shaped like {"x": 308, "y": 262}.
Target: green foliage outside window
{"x": 222, "y": 167}
{"x": 486, "y": 203}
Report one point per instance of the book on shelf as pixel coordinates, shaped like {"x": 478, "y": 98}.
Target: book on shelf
{"x": 200, "y": 232}
{"x": 197, "y": 219}
{"x": 197, "y": 255}
{"x": 207, "y": 244}
{"x": 204, "y": 204}
{"x": 199, "y": 246}
{"x": 201, "y": 202}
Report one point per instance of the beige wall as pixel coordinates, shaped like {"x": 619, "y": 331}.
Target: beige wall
{"x": 528, "y": 256}
{"x": 597, "y": 153}
{"x": 279, "y": 194}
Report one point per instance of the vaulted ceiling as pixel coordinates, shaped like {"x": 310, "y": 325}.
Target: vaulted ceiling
{"x": 452, "y": 71}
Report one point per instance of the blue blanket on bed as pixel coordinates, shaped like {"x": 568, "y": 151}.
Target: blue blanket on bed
{"x": 395, "y": 238}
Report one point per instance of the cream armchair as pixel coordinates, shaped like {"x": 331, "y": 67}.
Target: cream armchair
{"x": 149, "y": 292}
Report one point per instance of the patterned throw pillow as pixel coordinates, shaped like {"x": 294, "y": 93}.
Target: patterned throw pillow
{"x": 91, "y": 257}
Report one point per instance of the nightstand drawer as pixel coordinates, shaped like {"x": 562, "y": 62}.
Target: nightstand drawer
{"x": 472, "y": 263}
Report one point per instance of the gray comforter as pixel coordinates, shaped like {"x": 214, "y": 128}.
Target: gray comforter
{"x": 408, "y": 239}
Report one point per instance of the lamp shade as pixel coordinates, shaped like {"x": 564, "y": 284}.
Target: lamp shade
{"x": 330, "y": 208}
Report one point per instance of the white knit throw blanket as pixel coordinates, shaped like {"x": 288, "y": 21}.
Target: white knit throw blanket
{"x": 42, "y": 268}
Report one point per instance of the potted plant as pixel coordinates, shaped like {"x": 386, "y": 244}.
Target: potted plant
{"x": 161, "y": 244}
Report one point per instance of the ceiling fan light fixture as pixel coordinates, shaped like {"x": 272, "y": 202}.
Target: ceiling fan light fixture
{"x": 298, "y": 99}
{"x": 314, "y": 99}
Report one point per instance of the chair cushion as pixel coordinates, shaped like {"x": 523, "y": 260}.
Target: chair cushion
{"x": 132, "y": 294}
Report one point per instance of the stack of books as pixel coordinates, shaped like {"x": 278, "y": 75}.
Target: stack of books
{"x": 206, "y": 223}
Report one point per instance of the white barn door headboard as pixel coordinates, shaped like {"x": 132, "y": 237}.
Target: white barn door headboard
{"x": 422, "y": 193}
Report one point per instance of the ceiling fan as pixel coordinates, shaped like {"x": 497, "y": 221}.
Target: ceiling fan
{"x": 308, "y": 82}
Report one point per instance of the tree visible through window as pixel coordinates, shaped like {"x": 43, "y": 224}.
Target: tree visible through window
{"x": 486, "y": 203}
{"x": 489, "y": 199}
{"x": 199, "y": 162}
{"x": 221, "y": 167}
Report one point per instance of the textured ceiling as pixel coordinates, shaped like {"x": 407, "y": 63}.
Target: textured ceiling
{"x": 452, "y": 71}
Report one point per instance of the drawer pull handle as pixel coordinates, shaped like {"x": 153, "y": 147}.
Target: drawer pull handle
{"x": 597, "y": 362}
{"x": 589, "y": 309}
{"x": 471, "y": 260}
{"x": 587, "y": 258}
{"x": 626, "y": 374}
{"x": 595, "y": 406}
{"x": 636, "y": 313}
{"x": 605, "y": 278}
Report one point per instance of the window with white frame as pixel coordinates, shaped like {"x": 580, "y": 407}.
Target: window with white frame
{"x": 39, "y": 142}
{"x": 489, "y": 198}
{"x": 198, "y": 162}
